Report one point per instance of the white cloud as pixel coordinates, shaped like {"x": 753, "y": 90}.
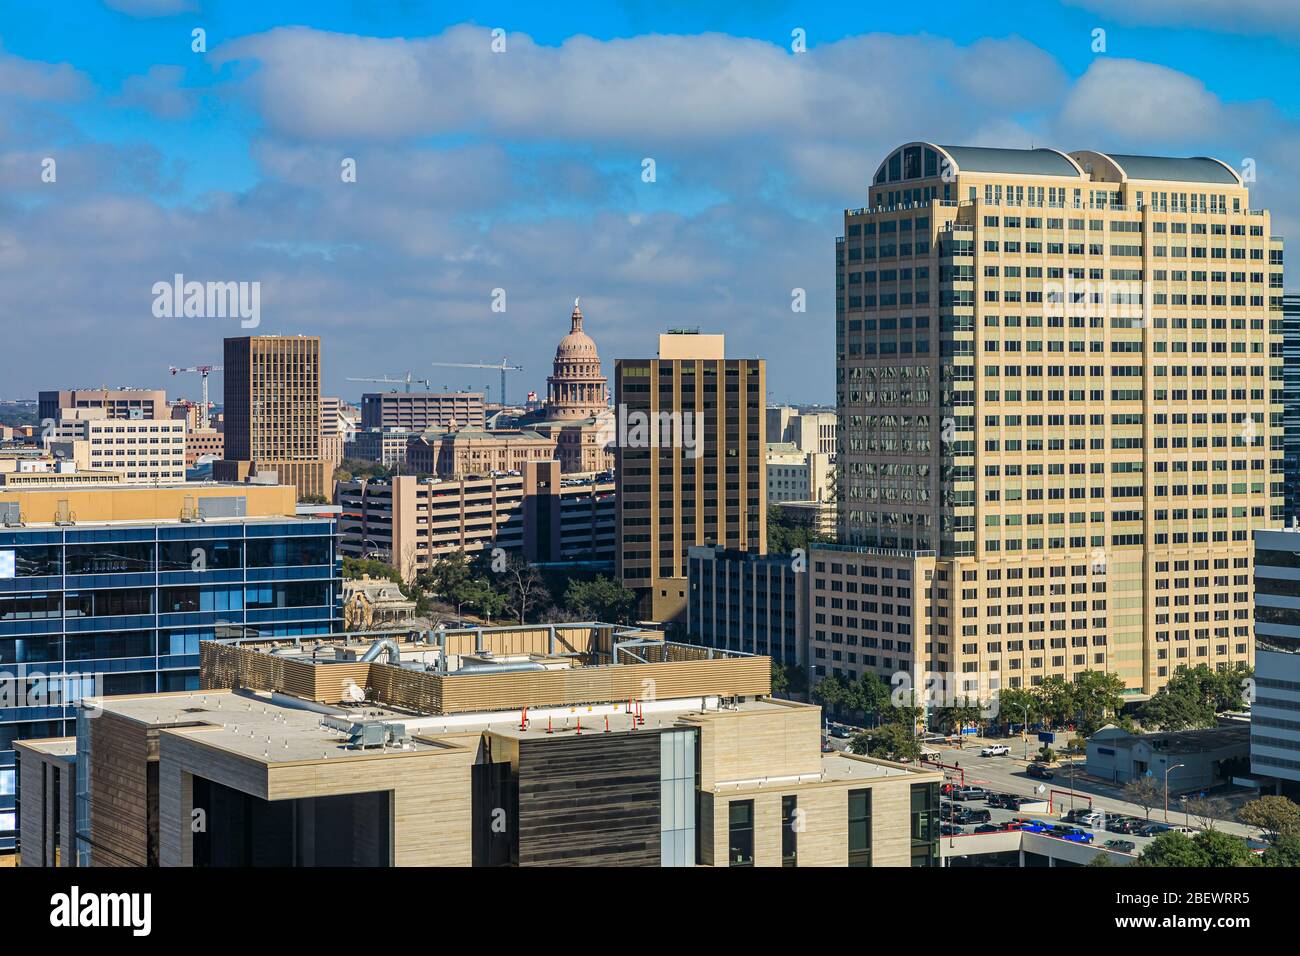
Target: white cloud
{"x": 158, "y": 92}
{"x": 1132, "y": 99}
{"x": 645, "y": 91}
{"x": 143, "y": 9}
{"x": 1233, "y": 16}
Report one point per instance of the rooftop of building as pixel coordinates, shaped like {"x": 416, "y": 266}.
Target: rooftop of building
{"x": 1041, "y": 161}
{"x": 1047, "y": 161}
{"x": 1181, "y": 741}
{"x": 258, "y": 727}
{"x": 1193, "y": 169}
{"x": 467, "y": 670}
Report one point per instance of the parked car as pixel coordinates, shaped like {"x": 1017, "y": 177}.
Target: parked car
{"x": 967, "y": 816}
{"x": 970, "y": 793}
{"x": 1122, "y": 824}
{"x": 950, "y": 829}
{"x": 1032, "y": 826}
{"x": 1152, "y": 829}
{"x": 995, "y": 750}
{"x": 1002, "y": 800}
{"x": 843, "y": 733}
{"x": 989, "y": 828}
{"x": 1073, "y": 834}
{"x": 1190, "y": 831}
{"x": 1090, "y": 818}
{"x": 1120, "y": 846}
{"x": 1038, "y": 771}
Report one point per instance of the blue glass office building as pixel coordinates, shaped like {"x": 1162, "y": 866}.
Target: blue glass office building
{"x": 120, "y": 608}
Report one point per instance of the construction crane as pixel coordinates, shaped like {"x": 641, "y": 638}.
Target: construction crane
{"x": 396, "y": 381}
{"x": 503, "y": 367}
{"x": 205, "y": 422}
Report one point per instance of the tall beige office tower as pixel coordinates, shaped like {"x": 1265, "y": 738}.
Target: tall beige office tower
{"x": 1059, "y": 388}
{"x": 273, "y": 412}
{"x": 707, "y": 484}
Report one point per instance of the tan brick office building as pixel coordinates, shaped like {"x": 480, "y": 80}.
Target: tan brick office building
{"x": 273, "y": 412}
{"x": 671, "y": 498}
{"x": 1059, "y": 376}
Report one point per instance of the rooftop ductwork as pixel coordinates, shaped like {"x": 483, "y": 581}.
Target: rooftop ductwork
{"x": 384, "y": 643}
{"x": 502, "y": 668}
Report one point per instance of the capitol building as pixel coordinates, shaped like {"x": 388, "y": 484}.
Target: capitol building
{"x": 577, "y": 413}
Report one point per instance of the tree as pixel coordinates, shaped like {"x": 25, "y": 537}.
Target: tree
{"x": 955, "y": 718}
{"x": 1017, "y": 705}
{"x": 1276, "y": 816}
{"x": 449, "y": 578}
{"x": 1193, "y": 697}
{"x": 892, "y": 741}
{"x": 1173, "y": 849}
{"x": 829, "y": 691}
{"x": 1056, "y": 700}
{"x": 1166, "y": 711}
{"x": 1145, "y": 792}
{"x": 1101, "y": 859}
{"x": 870, "y": 694}
{"x": 1096, "y": 696}
{"x": 600, "y": 599}
{"x": 355, "y": 568}
{"x": 1207, "y": 811}
{"x": 524, "y": 588}
{"x": 1285, "y": 851}
{"x": 788, "y": 678}
{"x": 785, "y": 536}
{"x": 1224, "y": 849}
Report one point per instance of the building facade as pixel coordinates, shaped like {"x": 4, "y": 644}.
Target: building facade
{"x": 808, "y": 429}
{"x": 749, "y": 602}
{"x": 690, "y": 464}
{"x": 116, "y": 402}
{"x": 796, "y": 475}
{"x": 109, "y": 590}
{"x": 411, "y": 522}
{"x": 1061, "y": 374}
{"x": 548, "y": 723}
{"x": 1275, "y": 711}
{"x": 1291, "y": 401}
{"x": 144, "y": 450}
{"x": 419, "y": 411}
{"x": 272, "y": 412}
{"x": 476, "y": 451}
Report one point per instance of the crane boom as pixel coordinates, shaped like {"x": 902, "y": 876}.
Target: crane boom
{"x": 502, "y": 367}
{"x": 205, "y": 422}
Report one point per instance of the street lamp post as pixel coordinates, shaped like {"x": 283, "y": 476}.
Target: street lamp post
{"x": 1167, "y": 772}
{"x": 1024, "y": 730}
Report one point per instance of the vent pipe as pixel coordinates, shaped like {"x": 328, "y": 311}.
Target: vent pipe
{"x": 384, "y": 643}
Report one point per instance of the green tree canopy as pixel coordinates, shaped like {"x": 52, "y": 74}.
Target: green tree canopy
{"x": 1285, "y": 851}
{"x": 600, "y": 599}
{"x": 1272, "y": 814}
{"x": 1173, "y": 849}
{"x": 892, "y": 741}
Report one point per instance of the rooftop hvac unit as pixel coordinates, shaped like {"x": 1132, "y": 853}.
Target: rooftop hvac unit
{"x": 363, "y": 735}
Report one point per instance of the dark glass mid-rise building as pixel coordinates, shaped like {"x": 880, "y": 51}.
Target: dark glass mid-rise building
{"x": 1291, "y": 401}
{"x": 92, "y": 605}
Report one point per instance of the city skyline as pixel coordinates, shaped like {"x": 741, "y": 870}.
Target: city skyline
{"x": 222, "y": 166}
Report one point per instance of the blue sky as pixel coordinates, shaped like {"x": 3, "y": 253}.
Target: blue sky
{"x": 522, "y": 170}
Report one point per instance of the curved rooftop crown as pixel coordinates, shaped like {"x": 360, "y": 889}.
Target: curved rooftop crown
{"x": 921, "y": 160}
{"x": 1195, "y": 169}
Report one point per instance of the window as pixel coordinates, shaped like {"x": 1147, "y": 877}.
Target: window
{"x": 859, "y": 828}
{"x": 740, "y": 833}
{"x": 925, "y": 829}
{"x": 790, "y": 827}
